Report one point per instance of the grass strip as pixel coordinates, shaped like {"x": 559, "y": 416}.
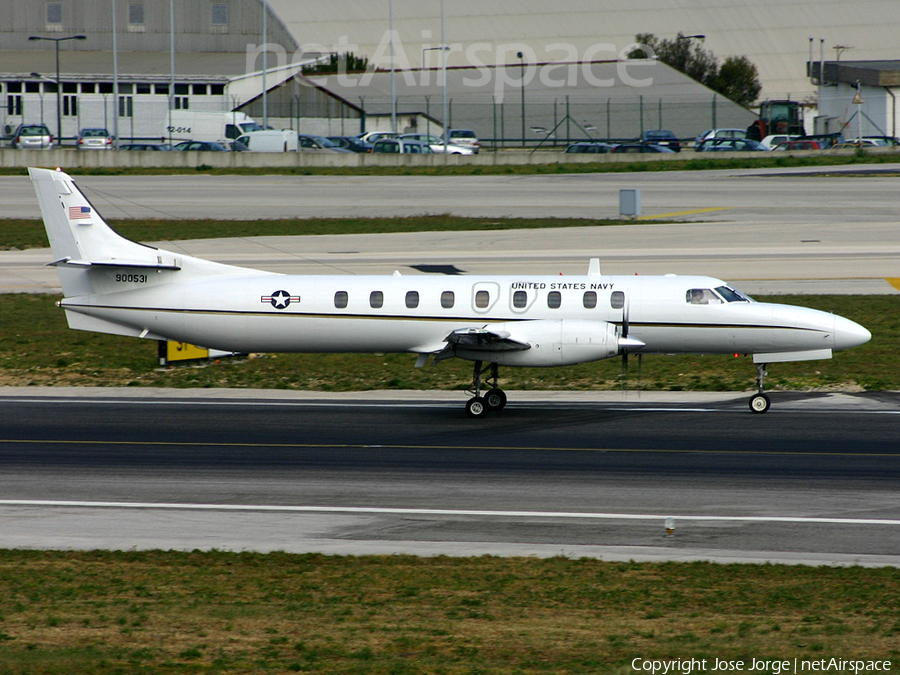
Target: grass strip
{"x": 20, "y": 233}
{"x": 154, "y": 612}
{"x": 38, "y": 348}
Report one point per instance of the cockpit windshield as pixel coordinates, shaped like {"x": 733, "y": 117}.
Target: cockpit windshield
{"x": 732, "y": 294}
{"x": 722, "y": 294}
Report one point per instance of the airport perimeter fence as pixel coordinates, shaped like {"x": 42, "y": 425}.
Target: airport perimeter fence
{"x": 553, "y": 122}
{"x": 515, "y": 122}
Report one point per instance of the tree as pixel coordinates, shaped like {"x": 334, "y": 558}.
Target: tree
{"x": 339, "y": 63}
{"x": 736, "y": 78}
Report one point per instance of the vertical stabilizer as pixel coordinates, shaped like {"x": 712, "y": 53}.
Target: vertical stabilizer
{"x": 81, "y": 239}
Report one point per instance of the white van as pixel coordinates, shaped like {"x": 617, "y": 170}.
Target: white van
{"x": 210, "y": 127}
{"x": 270, "y": 140}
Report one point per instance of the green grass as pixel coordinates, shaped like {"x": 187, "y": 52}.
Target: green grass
{"x": 20, "y": 233}
{"x": 37, "y": 348}
{"x": 235, "y": 613}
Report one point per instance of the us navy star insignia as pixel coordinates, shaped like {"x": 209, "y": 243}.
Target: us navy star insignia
{"x": 280, "y": 299}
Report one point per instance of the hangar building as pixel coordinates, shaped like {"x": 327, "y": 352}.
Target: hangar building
{"x": 205, "y": 55}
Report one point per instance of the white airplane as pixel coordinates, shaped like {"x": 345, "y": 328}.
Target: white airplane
{"x": 114, "y": 285}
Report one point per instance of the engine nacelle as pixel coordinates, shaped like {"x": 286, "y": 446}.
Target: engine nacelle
{"x": 549, "y": 343}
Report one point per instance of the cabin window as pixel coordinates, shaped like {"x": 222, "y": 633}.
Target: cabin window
{"x": 412, "y": 299}
{"x": 482, "y": 299}
{"x": 448, "y": 299}
{"x": 520, "y": 299}
{"x": 341, "y": 299}
{"x": 589, "y": 300}
{"x": 702, "y": 296}
{"x": 376, "y": 299}
{"x": 617, "y": 300}
{"x": 554, "y": 299}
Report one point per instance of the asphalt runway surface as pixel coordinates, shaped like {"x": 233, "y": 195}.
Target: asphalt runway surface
{"x": 814, "y": 481}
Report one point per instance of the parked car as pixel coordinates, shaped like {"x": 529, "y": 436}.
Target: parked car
{"x": 590, "y": 147}
{"x": 662, "y": 137}
{"x": 402, "y": 146}
{"x": 267, "y": 140}
{"x": 824, "y": 141}
{"x": 437, "y": 144}
{"x": 464, "y": 137}
{"x": 372, "y": 136}
{"x": 870, "y": 142}
{"x": 772, "y": 140}
{"x": 94, "y": 139}
{"x": 640, "y": 147}
{"x": 731, "y": 145}
{"x": 883, "y": 141}
{"x": 202, "y": 146}
{"x": 32, "y": 136}
{"x": 146, "y": 146}
{"x": 351, "y": 143}
{"x": 721, "y": 133}
{"x": 798, "y": 145}
{"x": 310, "y": 143}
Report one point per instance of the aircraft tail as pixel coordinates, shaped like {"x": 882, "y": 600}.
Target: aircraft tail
{"x": 81, "y": 239}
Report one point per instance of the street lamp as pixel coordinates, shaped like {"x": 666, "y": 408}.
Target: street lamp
{"x": 521, "y": 57}
{"x": 58, "y": 83}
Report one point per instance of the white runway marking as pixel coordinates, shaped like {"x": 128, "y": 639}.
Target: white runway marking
{"x": 360, "y": 510}
{"x": 605, "y": 405}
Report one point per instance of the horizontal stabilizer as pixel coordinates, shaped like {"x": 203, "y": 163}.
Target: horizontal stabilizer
{"x": 159, "y": 264}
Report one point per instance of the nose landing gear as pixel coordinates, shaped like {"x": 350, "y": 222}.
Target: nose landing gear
{"x": 495, "y": 399}
{"x": 759, "y": 402}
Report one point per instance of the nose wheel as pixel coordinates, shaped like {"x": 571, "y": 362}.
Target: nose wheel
{"x": 759, "y": 402}
{"x": 495, "y": 399}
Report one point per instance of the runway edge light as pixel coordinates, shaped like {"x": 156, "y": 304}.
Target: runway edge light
{"x": 670, "y": 526}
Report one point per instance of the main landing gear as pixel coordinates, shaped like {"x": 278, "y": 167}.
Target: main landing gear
{"x": 759, "y": 402}
{"x": 494, "y": 399}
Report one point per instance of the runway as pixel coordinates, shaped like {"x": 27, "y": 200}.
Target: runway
{"x": 814, "y": 481}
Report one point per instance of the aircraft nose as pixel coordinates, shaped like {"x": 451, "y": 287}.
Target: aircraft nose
{"x": 848, "y": 333}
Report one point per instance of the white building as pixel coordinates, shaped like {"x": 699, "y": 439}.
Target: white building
{"x": 218, "y": 63}
{"x": 858, "y": 98}
{"x": 773, "y": 34}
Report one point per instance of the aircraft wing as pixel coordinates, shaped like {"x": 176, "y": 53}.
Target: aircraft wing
{"x": 479, "y": 339}
{"x": 485, "y": 339}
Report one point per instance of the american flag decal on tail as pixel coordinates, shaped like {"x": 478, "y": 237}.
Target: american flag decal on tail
{"x": 79, "y": 212}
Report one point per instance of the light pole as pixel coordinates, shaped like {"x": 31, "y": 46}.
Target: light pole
{"x": 393, "y": 68}
{"x": 522, "y": 90}
{"x": 56, "y": 41}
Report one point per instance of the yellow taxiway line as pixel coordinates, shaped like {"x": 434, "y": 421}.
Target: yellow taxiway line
{"x": 684, "y": 213}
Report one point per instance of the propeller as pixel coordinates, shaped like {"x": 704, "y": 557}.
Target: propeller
{"x": 626, "y": 343}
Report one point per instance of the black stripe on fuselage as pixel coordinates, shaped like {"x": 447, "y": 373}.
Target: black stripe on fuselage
{"x": 444, "y": 319}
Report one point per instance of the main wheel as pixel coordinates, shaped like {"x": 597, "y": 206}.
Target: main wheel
{"x": 476, "y": 407}
{"x": 760, "y": 403}
{"x": 495, "y": 399}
